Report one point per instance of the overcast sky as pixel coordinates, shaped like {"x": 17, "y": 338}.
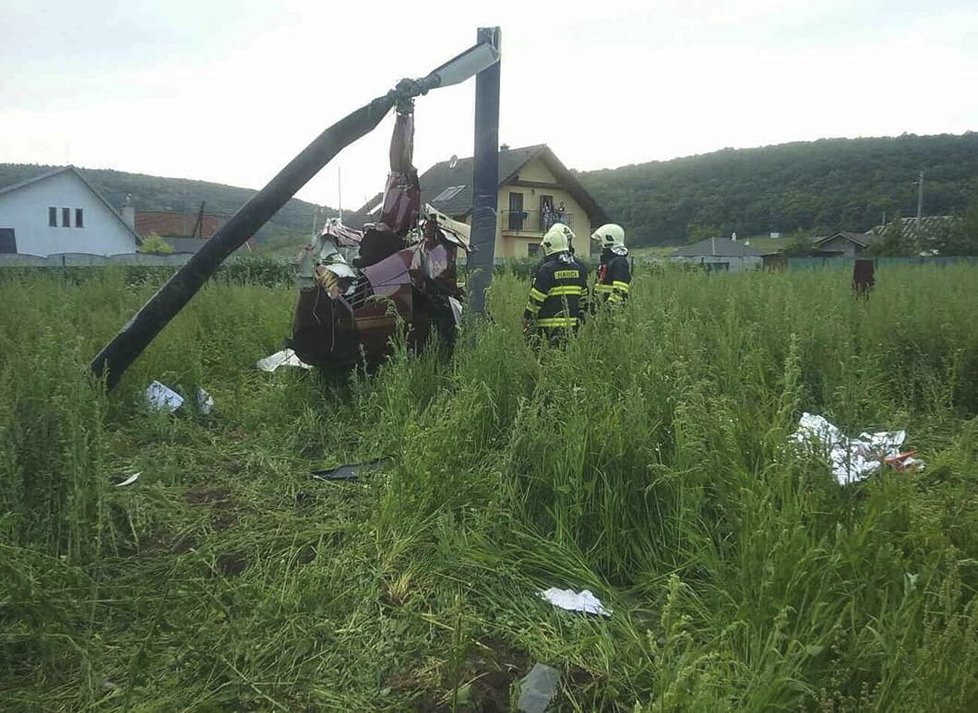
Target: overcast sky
{"x": 230, "y": 91}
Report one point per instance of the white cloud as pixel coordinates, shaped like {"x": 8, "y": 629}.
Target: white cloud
{"x": 231, "y": 91}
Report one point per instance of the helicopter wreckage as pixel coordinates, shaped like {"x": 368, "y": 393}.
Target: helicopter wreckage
{"x": 356, "y": 287}
{"x": 402, "y": 267}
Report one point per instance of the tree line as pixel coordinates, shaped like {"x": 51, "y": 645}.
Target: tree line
{"x": 816, "y": 187}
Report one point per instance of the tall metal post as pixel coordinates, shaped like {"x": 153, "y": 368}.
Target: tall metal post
{"x": 920, "y": 203}
{"x": 485, "y": 176}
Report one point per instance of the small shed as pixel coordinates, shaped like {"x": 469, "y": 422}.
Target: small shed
{"x": 719, "y": 255}
{"x": 843, "y": 244}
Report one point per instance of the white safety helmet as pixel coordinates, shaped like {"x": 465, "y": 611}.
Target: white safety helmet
{"x": 557, "y": 239}
{"x": 610, "y": 235}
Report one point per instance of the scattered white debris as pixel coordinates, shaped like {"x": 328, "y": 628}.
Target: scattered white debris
{"x": 855, "y": 459}
{"x": 456, "y": 311}
{"x": 128, "y": 481}
{"x": 163, "y": 398}
{"x": 573, "y": 601}
{"x": 286, "y": 357}
{"x": 205, "y": 402}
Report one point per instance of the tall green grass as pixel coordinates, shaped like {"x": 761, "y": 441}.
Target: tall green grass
{"x": 646, "y": 461}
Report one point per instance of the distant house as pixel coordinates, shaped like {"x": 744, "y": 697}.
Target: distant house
{"x": 843, "y": 244}
{"x": 186, "y": 233}
{"x": 535, "y": 190}
{"x": 170, "y": 224}
{"x": 719, "y": 254}
{"x": 60, "y": 212}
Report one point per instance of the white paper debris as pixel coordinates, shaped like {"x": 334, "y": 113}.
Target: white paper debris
{"x": 456, "y": 311}
{"x": 205, "y": 402}
{"x": 854, "y": 459}
{"x": 163, "y": 398}
{"x": 573, "y": 601}
{"x": 286, "y": 357}
{"x": 128, "y": 481}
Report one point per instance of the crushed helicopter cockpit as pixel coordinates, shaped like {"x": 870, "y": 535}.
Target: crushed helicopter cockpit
{"x": 356, "y": 287}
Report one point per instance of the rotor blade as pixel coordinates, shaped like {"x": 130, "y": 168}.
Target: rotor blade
{"x": 466, "y": 65}
{"x": 135, "y": 336}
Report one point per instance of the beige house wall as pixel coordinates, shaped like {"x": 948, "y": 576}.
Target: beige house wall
{"x": 516, "y": 243}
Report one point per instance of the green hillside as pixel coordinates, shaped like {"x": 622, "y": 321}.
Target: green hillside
{"x": 177, "y": 194}
{"x": 830, "y": 184}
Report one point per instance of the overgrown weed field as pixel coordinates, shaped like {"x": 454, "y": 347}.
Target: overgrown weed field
{"x": 646, "y": 462}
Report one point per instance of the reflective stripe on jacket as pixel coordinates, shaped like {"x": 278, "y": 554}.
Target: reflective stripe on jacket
{"x": 559, "y": 293}
{"x": 614, "y": 278}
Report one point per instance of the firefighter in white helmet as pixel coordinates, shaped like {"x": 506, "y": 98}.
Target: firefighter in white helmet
{"x": 559, "y": 294}
{"x": 614, "y": 273}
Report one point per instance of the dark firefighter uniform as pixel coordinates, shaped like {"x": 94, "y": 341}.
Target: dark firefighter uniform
{"x": 558, "y": 296}
{"x": 614, "y": 278}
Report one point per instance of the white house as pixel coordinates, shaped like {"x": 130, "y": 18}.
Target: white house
{"x": 60, "y": 212}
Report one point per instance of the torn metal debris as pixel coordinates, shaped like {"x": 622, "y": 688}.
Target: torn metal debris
{"x": 350, "y": 471}
{"x": 538, "y": 688}
{"x": 356, "y": 288}
{"x": 162, "y": 398}
{"x": 854, "y": 459}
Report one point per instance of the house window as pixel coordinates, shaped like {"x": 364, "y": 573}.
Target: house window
{"x": 533, "y": 249}
{"x": 53, "y": 217}
{"x": 79, "y": 218}
{"x": 66, "y": 217}
{"x": 516, "y": 214}
{"x": 8, "y": 243}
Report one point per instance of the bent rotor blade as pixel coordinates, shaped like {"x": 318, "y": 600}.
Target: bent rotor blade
{"x": 462, "y": 67}
{"x": 135, "y": 336}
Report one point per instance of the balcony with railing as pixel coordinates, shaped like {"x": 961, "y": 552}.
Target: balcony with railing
{"x": 532, "y": 222}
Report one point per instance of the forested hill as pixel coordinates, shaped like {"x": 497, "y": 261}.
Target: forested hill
{"x": 831, "y": 184}
{"x": 177, "y": 194}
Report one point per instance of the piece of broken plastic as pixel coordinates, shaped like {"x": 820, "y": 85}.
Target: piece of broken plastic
{"x": 286, "y": 357}
{"x": 538, "y": 688}
{"x": 570, "y": 600}
{"x": 205, "y": 402}
{"x": 163, "y": 398}
{"x": 350, "y": 471}
{"x": 456, "y": 311}
{"x": 129, "y": 479}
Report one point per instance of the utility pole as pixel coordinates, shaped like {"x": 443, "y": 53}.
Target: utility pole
{"x": 485, "y": 176}
{"x": 920, "y": 202}
{"x": 339, "y": 190}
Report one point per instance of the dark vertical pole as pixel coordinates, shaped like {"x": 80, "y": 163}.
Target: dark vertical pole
{"x": 485, "y": 176}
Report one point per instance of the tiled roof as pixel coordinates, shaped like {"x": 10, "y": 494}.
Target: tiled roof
{"x": 443, "y": 176}
{"x": 860, "y": 239}
{"x": 929, "y": 224}
{"x": 178, "y": 225}
{"x": 716, "y": 247}
{"x": 447, "y": 185}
